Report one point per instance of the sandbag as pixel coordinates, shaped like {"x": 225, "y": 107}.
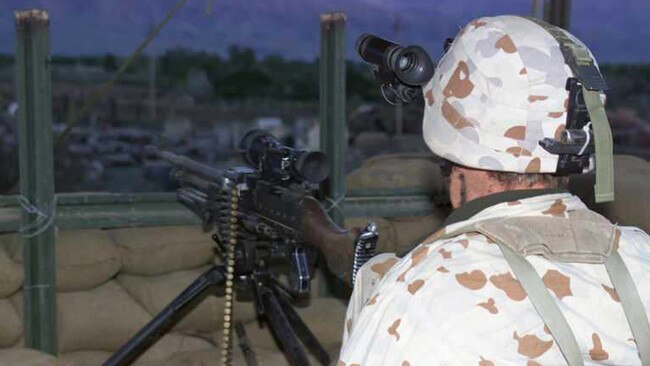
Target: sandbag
{"x": 387, "y": 242}
{"x": 203, "y": 358}
{"x": 631, "y": 165}
{"x": 11, "y": 273}
{"x": 11, "y": 326}
{"x": 27, "y": 357}
{"x": 171, "y": 344}
{"x": 99, "y": 319}
{"x": 165, "y": 347}
{"x": 84, "y": 358}
{"x": 155, "y": 292}
{"x": 398, "y": 171}
{"x": 84, "y": 258}
{"x": 372, "y": 142}
{"x": 200, "y": 358}
{"x": 409, "y": 143}
{"x": 631, "y": 206}
{"x": 324, "y": 316}
{"x": 156, "y": 250}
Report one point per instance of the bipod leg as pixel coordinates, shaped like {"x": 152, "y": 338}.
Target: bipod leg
{"x": 302, "y": 330}
{"x": 166, "y": 318}
{"x": 280, "y": 324}
{"x": 245, "y": 344}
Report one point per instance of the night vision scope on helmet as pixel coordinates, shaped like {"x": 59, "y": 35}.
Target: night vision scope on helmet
{"x": 401, "y": 70}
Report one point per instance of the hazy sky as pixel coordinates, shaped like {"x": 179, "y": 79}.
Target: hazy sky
{"x": 615, "y": 30}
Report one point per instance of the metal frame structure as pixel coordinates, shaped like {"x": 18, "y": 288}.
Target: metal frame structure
{"x": 333, "y": 139}
{"x": 113, "y": 210}
{"x": 35, "y": 145}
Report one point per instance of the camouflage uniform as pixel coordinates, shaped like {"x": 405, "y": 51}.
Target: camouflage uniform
{"x": 496, "y": 93}
{"x": 456, "y": 302}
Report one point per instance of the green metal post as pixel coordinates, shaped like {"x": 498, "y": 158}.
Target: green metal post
{"x": 558, "y": 12}
{"x": 537, "y": 9}
{"x": 333, "y": 139}
{"x": 34, "y": 89}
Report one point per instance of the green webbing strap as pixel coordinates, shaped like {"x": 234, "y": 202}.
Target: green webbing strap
{"x": 545, "y": 306}
{"x": 632, "y": 305}
{"x": 577, "y": 56}
{"x": 604, "y": 188}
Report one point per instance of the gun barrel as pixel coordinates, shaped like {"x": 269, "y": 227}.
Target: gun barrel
{"x": 187, "y": 164}
{"x": 194, "y": 181}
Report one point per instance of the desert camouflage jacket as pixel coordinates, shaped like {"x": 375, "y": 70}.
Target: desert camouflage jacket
{"x": 456, "y": 302}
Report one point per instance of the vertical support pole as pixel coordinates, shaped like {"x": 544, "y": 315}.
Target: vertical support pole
{"x": 333, "y": 137}
{"x": 558, "y": 12}
{"x": 34, "y": 89}
{"x": 537, "y": 9}
{"x": 399, "y": 118}
{"x": 566, "y": 14}
{"x": 152, "y": 86}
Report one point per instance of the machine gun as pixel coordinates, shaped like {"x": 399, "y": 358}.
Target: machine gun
{"x": 266, "y": 222}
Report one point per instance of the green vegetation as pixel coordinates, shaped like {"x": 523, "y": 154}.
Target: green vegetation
{"x": 242, "y": 75}
{"x": 239, "y": 75}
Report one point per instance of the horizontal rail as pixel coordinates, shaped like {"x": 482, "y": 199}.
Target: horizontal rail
{"x": 112, "y": 210}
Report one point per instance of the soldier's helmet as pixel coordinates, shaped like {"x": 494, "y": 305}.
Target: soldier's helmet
{"x": 499, "y": 89}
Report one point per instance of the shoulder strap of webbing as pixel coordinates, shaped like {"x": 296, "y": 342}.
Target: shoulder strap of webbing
{"x": 545, "y": 306}
{"x": 552, "y": 315}
{"x": 539, "y": 296}
{"x": 632, "y": 305}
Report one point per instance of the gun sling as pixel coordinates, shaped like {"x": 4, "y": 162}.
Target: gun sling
{"x": 545, "y": 305}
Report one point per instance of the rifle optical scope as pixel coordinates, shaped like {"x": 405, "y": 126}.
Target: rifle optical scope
{"x": 401, "y": 70}
{"x": 281, "y": 163}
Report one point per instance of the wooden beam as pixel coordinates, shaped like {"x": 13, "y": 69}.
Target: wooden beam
{"x": 34, "y": 89}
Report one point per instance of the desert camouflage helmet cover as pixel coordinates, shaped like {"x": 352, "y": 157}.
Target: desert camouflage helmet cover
{"x": 497, "y": 92}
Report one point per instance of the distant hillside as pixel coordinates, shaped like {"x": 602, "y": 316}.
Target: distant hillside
{"x": 614, "y": 29}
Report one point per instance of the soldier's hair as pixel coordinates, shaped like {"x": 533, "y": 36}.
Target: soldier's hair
{"x": 509, "y": 179}
{"x": 529, "y": 179}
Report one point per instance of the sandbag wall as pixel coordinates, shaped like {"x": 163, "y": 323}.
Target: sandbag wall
{"x": 420, "y": 172}
{"x": 111, "y": 282}
{"x": 632, "y": 189}
{"x": 414, "y": 172}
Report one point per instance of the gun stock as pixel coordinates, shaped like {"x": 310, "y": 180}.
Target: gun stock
{"x": 335, "y": 243}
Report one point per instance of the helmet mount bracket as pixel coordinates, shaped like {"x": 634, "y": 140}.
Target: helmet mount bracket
{"x": 571, "y": 146}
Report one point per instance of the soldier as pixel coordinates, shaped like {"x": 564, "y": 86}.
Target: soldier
{"x": 522, "y": 273}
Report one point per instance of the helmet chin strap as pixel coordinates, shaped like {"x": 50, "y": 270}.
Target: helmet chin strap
{"x": 604, "y": 188}
{"x": 578, "y": 58}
